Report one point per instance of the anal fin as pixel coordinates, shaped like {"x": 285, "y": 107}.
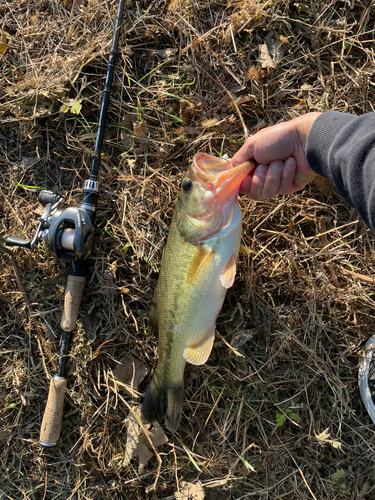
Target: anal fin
{"x": 198, "y": 354}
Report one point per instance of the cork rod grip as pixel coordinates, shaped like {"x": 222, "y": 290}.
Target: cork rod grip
{"x": 53, "y": 414}
{"x": 73, "y": 295}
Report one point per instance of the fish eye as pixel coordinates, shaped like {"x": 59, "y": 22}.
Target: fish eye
{"x": 187, "y": 185}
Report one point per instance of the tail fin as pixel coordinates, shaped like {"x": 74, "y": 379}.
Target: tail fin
{"x": 162, "y": 399}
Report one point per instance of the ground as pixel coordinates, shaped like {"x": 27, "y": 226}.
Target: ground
{"x": 275, "y": 412}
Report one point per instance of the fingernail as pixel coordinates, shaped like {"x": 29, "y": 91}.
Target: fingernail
{"x": 261, "y": 171}
{"x": 245, "y": 186}
{"x": 290, "y": 165}
{"x": 277, "y": 166}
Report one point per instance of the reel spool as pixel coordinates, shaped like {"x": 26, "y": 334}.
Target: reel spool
{"x": 67, "y": 231}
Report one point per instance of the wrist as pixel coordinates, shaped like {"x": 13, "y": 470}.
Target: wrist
{"x": 303, "y": 126}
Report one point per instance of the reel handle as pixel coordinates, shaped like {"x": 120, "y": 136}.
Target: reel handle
{"x": 75, "y": 286}
{"x": 46, "y": 196}
{"x": 53, "y": 414}
{"x": 14, "y": 241}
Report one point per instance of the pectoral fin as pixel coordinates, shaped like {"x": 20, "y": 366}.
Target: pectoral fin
{"x": 197, "y": 354}
{"x": 200, "y": 257}
{"x": 227, "y": 278}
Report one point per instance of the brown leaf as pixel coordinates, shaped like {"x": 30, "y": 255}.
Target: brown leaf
{"x": 3, "y": 41}
{"x": 132, "y": 438}
{"x": 264, "y": 57}
{"x": 190, "y": 130}
{"x": 137, "y": 443}
{"x": 157, "y": 435}
{"x": 158, "y": 438}
{"x": 140, "y": 130}
{"x": 244, "y": 98}
{"x": 130, "y": 371}
{"x": 190, "y": 491}
{"x": 209, "y": 123}
{"x": 274, "y": 49}
{"x": 166, "y": 53}
{"x": 144, "y": 453}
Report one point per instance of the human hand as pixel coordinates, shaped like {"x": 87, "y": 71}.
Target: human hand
{"x": 280, "y": 153}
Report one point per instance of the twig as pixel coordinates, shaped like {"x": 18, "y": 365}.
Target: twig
{"x": 362, "y": 277}
{"x": 245, "y": 129}
{"x": 191, "y": 453}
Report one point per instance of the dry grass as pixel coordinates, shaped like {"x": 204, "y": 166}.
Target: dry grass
{"x": 188, "y": 79}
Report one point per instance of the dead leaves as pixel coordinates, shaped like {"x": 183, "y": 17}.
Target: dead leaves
{"x": 130, "y": 371}
{"x": 4, "y": 39}
{"x": 141, "y": 440}
{"x": 324, "y": 438}
{"x": 189, "y": 491}
{"x": 165, "y": 54}
{"x": 265, "y": 58}
{"x": 127, "y": 375}
{"x": 72, "y": 105}
{"x": 219, "y": 125}
{"x": 270, "y": 53}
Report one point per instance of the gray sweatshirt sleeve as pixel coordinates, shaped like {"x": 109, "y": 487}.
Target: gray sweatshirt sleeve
{"x": 342, "y": 148}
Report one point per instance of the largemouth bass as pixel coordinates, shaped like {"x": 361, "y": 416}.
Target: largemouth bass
{"x": 199, "y": 265}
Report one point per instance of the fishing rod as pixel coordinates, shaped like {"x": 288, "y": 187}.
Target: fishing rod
{"x": 68, "y": 233}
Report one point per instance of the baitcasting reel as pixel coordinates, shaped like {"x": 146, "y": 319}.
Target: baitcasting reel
{"x": 67, "y": 231}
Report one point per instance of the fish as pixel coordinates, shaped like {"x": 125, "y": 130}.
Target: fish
{"x": 198, "y": 267}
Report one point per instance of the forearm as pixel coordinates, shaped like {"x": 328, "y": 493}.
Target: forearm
{"x": 342, "y": 148}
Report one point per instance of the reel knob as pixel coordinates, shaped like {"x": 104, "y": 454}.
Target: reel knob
{"x": 46, "y": 196}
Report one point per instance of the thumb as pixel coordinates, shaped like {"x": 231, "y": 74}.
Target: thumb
{"x": 245, "y": 153}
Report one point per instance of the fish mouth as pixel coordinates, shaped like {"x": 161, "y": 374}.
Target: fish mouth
{"x": 225, "y": 178}
{"x": 208, "y": 167}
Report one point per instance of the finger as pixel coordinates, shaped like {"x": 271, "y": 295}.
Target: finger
{"x": 301, "y": 179}
{"x": 273, "y": 179}
{"x": 245, "y": 153}
{"x": 257, "y": 182}
{"x": 287, "y": 177}
{"x": 246, "y": 183}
